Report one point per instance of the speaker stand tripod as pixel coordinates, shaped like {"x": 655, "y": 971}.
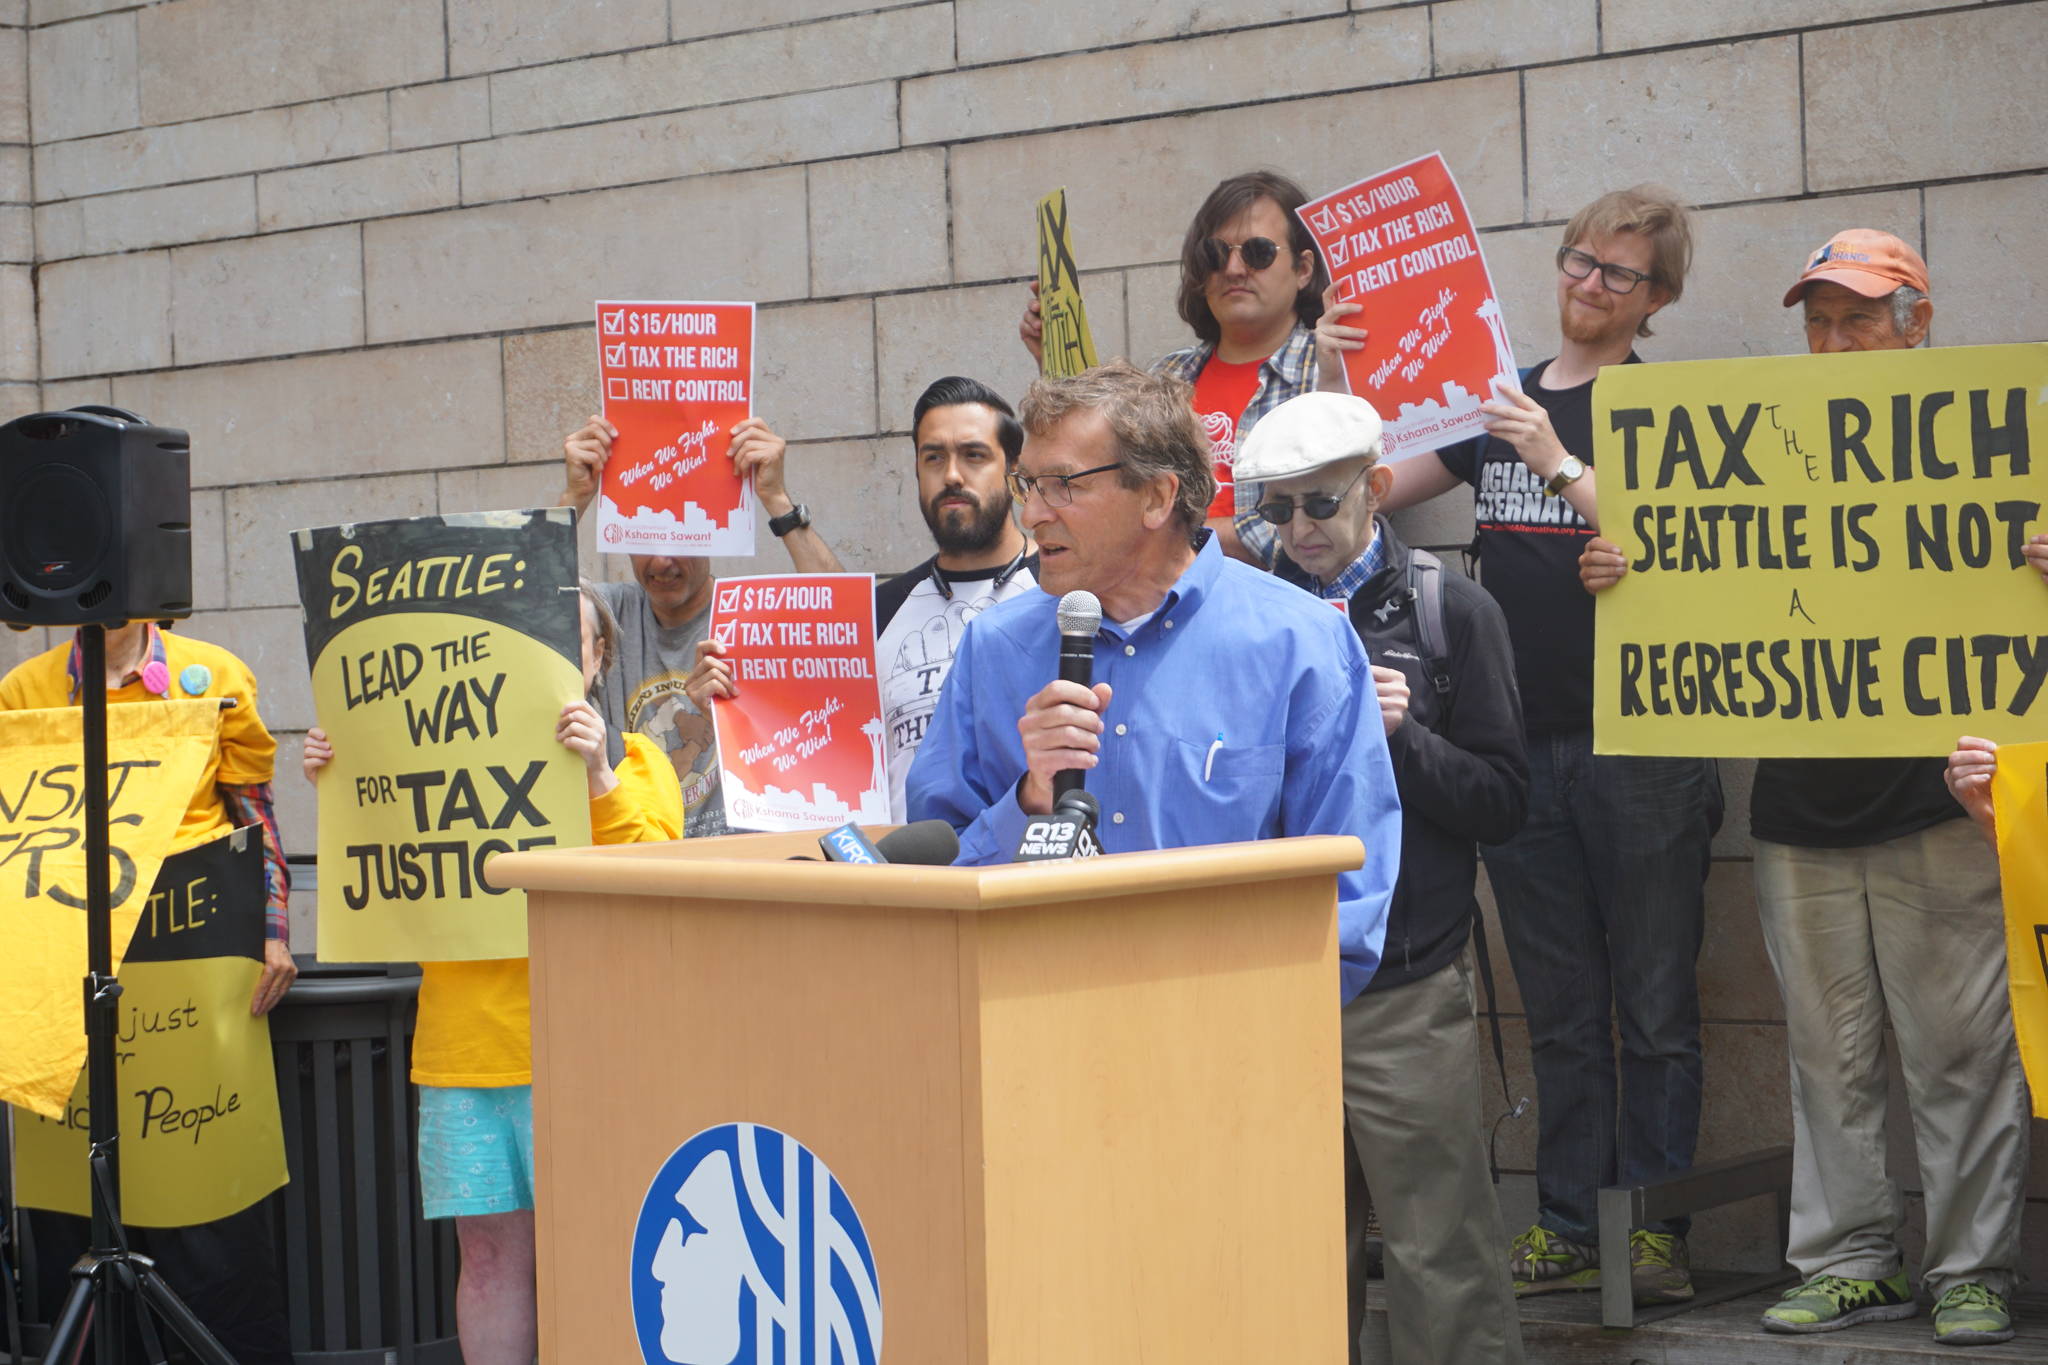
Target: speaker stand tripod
{"x": 110, "y": 1285}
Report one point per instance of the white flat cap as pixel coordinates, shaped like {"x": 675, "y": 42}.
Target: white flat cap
{"x": 1306, "y": 433}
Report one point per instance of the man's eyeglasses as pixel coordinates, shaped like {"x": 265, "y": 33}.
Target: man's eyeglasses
{"x": 1056, "y": 490}
{"x": 1258, "y": 253}
{"x": 1619, "y": 279}
{"x": 1319, "y": 506}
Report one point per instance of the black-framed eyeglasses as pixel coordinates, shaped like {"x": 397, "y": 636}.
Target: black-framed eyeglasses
{"x": 1258, "y": 253}
{"x": 1319, "y": 506}
{"x": 1619, "y": 279}
{"x": 1056, "y": 490}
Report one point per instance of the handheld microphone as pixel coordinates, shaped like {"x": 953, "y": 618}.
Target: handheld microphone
{"x": 924, "y": 843}
{"x": 1079, "y": 616}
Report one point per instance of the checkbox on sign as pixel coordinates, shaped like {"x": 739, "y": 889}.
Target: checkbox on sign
{"x": 615, "y": 355}
{"x": 729, "y": 599}
{"x": 617, "y": 388}
{"x": 1347, "y": 289}
{"x": 725, "y": 631}
{"x": 614, "y": 321}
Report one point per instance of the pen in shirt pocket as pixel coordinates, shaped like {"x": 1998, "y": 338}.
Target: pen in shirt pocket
{"x": 1209, "y": 763}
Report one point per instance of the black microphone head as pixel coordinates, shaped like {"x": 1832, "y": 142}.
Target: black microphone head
{"x": 1080, "y": 615}
{"x": 1079, "y": 804}
{"x": 930, "y": 843}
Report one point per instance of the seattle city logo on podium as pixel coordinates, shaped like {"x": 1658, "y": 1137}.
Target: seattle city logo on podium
{"x": 748, "y": 1252}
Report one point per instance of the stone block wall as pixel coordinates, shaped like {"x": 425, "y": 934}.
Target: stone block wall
{"x": 353, "y": 247}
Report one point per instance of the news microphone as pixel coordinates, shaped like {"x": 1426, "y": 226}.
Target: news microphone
{"x": 1079, "y": 616}
{"x": 848, "y": 845}
{"x": 921, "y": 843}
{"x": 1069, "y": 832}
{"x": 925, "y": 843}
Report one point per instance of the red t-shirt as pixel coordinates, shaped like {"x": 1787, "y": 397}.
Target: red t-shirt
{"x": 1222, "y": 391}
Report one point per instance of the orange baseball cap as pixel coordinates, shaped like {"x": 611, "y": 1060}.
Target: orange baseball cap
{"x": 1870, "y": 262}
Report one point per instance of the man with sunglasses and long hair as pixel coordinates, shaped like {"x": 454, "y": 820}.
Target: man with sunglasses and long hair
{"x": 1251, "y": 288}
{"x": 1445, "y": 678}
{"x": 1602, "y": 893}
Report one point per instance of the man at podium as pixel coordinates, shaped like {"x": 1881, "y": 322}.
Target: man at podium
{"x": 1226, "y": 705}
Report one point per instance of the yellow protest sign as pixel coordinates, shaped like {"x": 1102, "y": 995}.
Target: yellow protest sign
{"x": 2019, "y": 793}
{"x": 1824, "y": 553}
{"x": 443, "y": 650}
{"x": 200, "y": 1136}
{"x": 1069, "y": 347}
{"x": 156, "y": 756}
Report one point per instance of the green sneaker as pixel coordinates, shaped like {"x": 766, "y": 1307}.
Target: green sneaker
{"x": 1659, "y": 1269}
{"x": 1828, "y": 1303}
{"x": 1971, "y": 1315}
{"x": 1541, "y": 1262}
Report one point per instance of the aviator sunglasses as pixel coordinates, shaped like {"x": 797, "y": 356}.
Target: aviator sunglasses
{"x": 1258, "y": 253}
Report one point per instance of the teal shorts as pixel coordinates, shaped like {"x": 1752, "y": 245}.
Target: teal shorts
{"x": 476, "y": 1150}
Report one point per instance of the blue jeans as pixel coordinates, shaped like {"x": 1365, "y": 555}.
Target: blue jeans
{"x": 1602, "y": 898}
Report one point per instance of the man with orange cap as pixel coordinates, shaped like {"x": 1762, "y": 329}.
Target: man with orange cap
{"x": 1880, "y": 904}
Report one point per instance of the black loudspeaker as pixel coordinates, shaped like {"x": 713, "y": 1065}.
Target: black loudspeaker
{"x": 95, "y": 519}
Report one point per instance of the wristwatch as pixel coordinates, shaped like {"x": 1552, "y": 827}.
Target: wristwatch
{"x": 1568, "y": 473}
{"x": 796, "y": 518}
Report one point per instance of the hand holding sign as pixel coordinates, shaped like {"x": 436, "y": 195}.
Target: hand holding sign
{"x": 1970, "y": 769}
{"x": 712, "y": 677}
{"x": 1524, "y": 423}
{"x": 1336, "y": 338}
{"x": 584, "y": 454}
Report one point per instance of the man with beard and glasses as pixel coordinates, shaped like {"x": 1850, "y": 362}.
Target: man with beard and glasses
{"x": 966, "y": 438}
{"x": 1602, "y": 893}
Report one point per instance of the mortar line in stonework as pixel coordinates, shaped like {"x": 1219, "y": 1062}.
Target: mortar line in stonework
{"x": 1729, "y": 40}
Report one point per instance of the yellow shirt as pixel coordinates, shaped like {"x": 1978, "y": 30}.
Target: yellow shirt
{"x": 475, "y": 1018}
{"x": 244, "y": 756}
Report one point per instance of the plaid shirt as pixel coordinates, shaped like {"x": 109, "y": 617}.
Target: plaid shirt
{"x": 1346, "y": 584}
{"x": 1287, "y": 373}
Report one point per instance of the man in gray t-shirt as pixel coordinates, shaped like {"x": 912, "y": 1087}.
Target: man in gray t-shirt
{"x": 666, "y": 610}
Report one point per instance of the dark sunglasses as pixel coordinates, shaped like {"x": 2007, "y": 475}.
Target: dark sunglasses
{"x": 1258, "y": 253}
{"x": 1319, "y": 506}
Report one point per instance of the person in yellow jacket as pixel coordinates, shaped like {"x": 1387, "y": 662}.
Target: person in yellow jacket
{"x": 472, "y": 1054}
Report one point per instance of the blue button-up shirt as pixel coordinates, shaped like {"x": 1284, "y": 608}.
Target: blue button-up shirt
{"x": 1242, "y": 708}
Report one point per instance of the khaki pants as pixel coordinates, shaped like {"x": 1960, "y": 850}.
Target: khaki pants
{"x": 1411, "y": 1102}
{"x": 1909, "y": 930}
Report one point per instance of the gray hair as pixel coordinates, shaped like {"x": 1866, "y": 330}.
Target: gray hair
{"x": 1904, "y": 299}
{"x": 1153, "y": 421}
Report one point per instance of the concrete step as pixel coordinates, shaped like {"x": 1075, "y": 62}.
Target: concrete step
{"x": 1564, "y": 1329}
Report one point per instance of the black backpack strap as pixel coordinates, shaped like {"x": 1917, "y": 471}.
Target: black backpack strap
{"x": 1484, "y": 963}
{"x": 1426, "y": 582}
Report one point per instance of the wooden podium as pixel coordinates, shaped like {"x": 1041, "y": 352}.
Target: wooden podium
{"x": 1087, "y": 1112}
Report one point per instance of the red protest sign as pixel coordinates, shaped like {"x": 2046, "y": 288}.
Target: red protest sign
{"x": 800, "y": 745}
{"x": 1402, "y": 244}
{"x": 676, "y": 379}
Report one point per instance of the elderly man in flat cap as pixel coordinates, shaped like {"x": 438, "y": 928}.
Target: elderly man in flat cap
{"x": 1445, "y": 677}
